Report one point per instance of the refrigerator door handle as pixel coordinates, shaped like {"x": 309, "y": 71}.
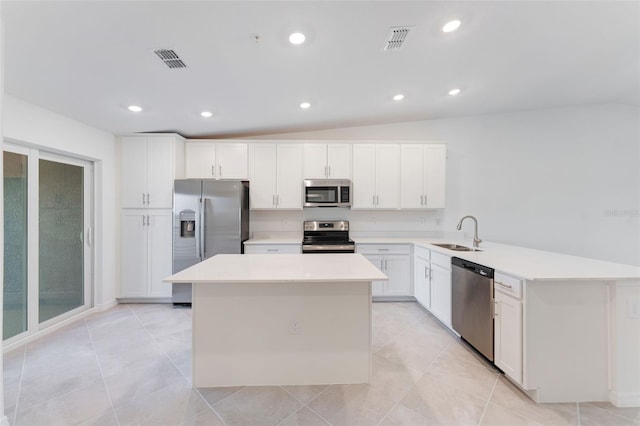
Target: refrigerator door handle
{"x": 200, "y": 238}
{"x": 203, "y": 231}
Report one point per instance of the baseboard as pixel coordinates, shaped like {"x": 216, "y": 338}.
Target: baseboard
{"x": 144, "y": 300}
{"x": 625, "y": 399}
{"x": 108, "y": 305}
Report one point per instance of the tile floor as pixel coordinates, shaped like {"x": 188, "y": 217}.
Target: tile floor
{"x": 130, "y": 365}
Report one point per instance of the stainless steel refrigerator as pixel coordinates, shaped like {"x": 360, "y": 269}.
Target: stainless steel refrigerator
{"x": 209, "y": 217}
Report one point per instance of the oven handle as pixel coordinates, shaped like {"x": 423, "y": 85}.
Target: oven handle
{"x": 307, "y": 247}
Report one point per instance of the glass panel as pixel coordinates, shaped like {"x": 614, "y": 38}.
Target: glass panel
{"x": 15, "y": 244}
{"x": 61, "y": 211}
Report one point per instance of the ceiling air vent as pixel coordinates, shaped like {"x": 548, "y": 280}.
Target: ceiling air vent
{"x": 396, "y": 37}
{"x": 170, "y": 58}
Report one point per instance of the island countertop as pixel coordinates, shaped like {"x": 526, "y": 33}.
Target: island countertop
{"x": 256, "y": 268}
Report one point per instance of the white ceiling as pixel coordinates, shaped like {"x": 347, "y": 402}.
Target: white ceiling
{"x": 89, "y": 60}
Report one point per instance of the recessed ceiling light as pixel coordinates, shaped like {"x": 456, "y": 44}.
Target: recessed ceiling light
{"x": 398, "y": 97}
{"x": 305, "y": 105}
{"x": 454, "y": 92}
{"x": 451, "y": 26}
{"x": 206, "y": 114}
{"x": 296, "y": 38}
{"x": 134, "y": 108}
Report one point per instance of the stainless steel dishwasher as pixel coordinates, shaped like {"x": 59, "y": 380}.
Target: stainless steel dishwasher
{"x": 472, "y": 304}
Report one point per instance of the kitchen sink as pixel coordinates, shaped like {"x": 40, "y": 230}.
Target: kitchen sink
{"x": 456, "y": 247}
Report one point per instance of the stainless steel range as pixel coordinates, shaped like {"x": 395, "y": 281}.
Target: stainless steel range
{"x": 327, "y": 237}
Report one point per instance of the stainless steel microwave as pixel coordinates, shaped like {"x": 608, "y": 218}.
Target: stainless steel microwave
{"x": 327, "y": 193}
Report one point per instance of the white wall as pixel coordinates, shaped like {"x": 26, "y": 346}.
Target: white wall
{"x": 564, "y": 180}
{"x": 27, "y": 123}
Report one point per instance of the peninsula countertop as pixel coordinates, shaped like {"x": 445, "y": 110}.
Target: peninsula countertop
{"x": 256, "y": 268}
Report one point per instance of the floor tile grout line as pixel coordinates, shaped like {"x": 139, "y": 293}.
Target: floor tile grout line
{"x": 305, "y": 404}
{"x": 104, "y": 382}
{"x": 189, "y": 380}
{"x": 410, "y": 388}
{"x": 486, "y": 406}
{"x": 196, "y": 390}
{"x": 24, "y": 360}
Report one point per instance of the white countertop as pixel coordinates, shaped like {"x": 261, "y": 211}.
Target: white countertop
{"x": 522, "y": 262}
{"x": 526, "y": 263}
{"x": 225, "y": 268}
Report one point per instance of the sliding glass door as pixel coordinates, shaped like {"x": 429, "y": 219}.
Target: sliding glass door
{"x": 15, "y": 244}
{"x": 48, "y": 257}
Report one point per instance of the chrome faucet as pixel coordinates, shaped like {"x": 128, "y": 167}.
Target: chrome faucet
{"x": 476, "y": 240}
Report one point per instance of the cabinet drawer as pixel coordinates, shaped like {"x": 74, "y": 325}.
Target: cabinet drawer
{"x": 441, "y": 259}
{"x": 422, "y": 252}
{"x": 507, "y": 284}
{"x": 383, "y": 248}
{"x": 272, "y": 249}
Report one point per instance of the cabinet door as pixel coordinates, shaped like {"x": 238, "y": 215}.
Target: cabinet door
{"x": 339, "y": 161}
{"x": 387, "y": 176}
{"x": 134, "y": 172}
{"x": 421, "y": 282}
{"x": 159, "y": 256}
{"x": 160, "y": 166}
{"x": 397, "y": 268}
{"x": 364, "y": 181}
{"x": 262, "y": 189}
{"x": 133, "y": 279}
{"x": 289, "y": 176}
{"x": 508, "y": 336}
{"x": 441, "y": 294}
{"x": 200, "y": 160}
{"x": 377, "y": 288}
{"x": 231, "y": 159}
{"x": 411, "y": 181}
{"x": 435, "y": 158}
{"x": 315, "y": 161}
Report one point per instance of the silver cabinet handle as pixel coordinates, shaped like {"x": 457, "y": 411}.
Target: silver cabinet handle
{"x": 495, "y": 308}
{"x": 377, "y": 200}
{"x": 272, "y": 250}
{"x": 421, "y": 200}
{"x": 148, "y": 197}
{"x": 326, "y": 172}
{"x": 373, "y": 201}
{"x": 273, "y": 200}
{"x": 426, "y": 272}
{"x": 143, "y": 198}
{"x": 383, "y": 249}
{"x": 277, "y": 200}
{"x": 503, "y": 285}
{"x": 143, "y": 224}
{"x": 220, "y": 170}
{"x": 213, "y": 170}
{"x": 425, "y": 200}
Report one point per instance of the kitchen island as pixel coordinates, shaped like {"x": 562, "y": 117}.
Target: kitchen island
{"x": 290, "y": 319}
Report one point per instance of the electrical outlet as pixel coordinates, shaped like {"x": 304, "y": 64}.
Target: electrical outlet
{"x": 294, "y": 326}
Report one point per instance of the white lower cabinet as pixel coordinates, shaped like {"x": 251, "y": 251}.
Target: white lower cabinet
{"x": 422, "y": 276}
{"x": 508, "y": 326}
{"x": 146, "y": 253}
{"x": 272, "y": 248}
{"x": 395, "y": 262}
{"x": 440, "y": 268}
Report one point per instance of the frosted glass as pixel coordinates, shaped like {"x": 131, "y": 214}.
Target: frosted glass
{"x": 15, "y": 245}
{"x": 61, "y": 212}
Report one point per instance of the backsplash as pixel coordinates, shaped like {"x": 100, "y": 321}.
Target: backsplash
{"x": 362, "y": 223}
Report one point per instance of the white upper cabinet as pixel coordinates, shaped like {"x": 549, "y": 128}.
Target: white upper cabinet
{"x": 327, "y": 161}
{"x": 149, "y": 164}
{"x": 376, "y": 176}
{"x": 422, "y": 176}
{"x": 218, "y": 160}
{"x": 276, "y": 176}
